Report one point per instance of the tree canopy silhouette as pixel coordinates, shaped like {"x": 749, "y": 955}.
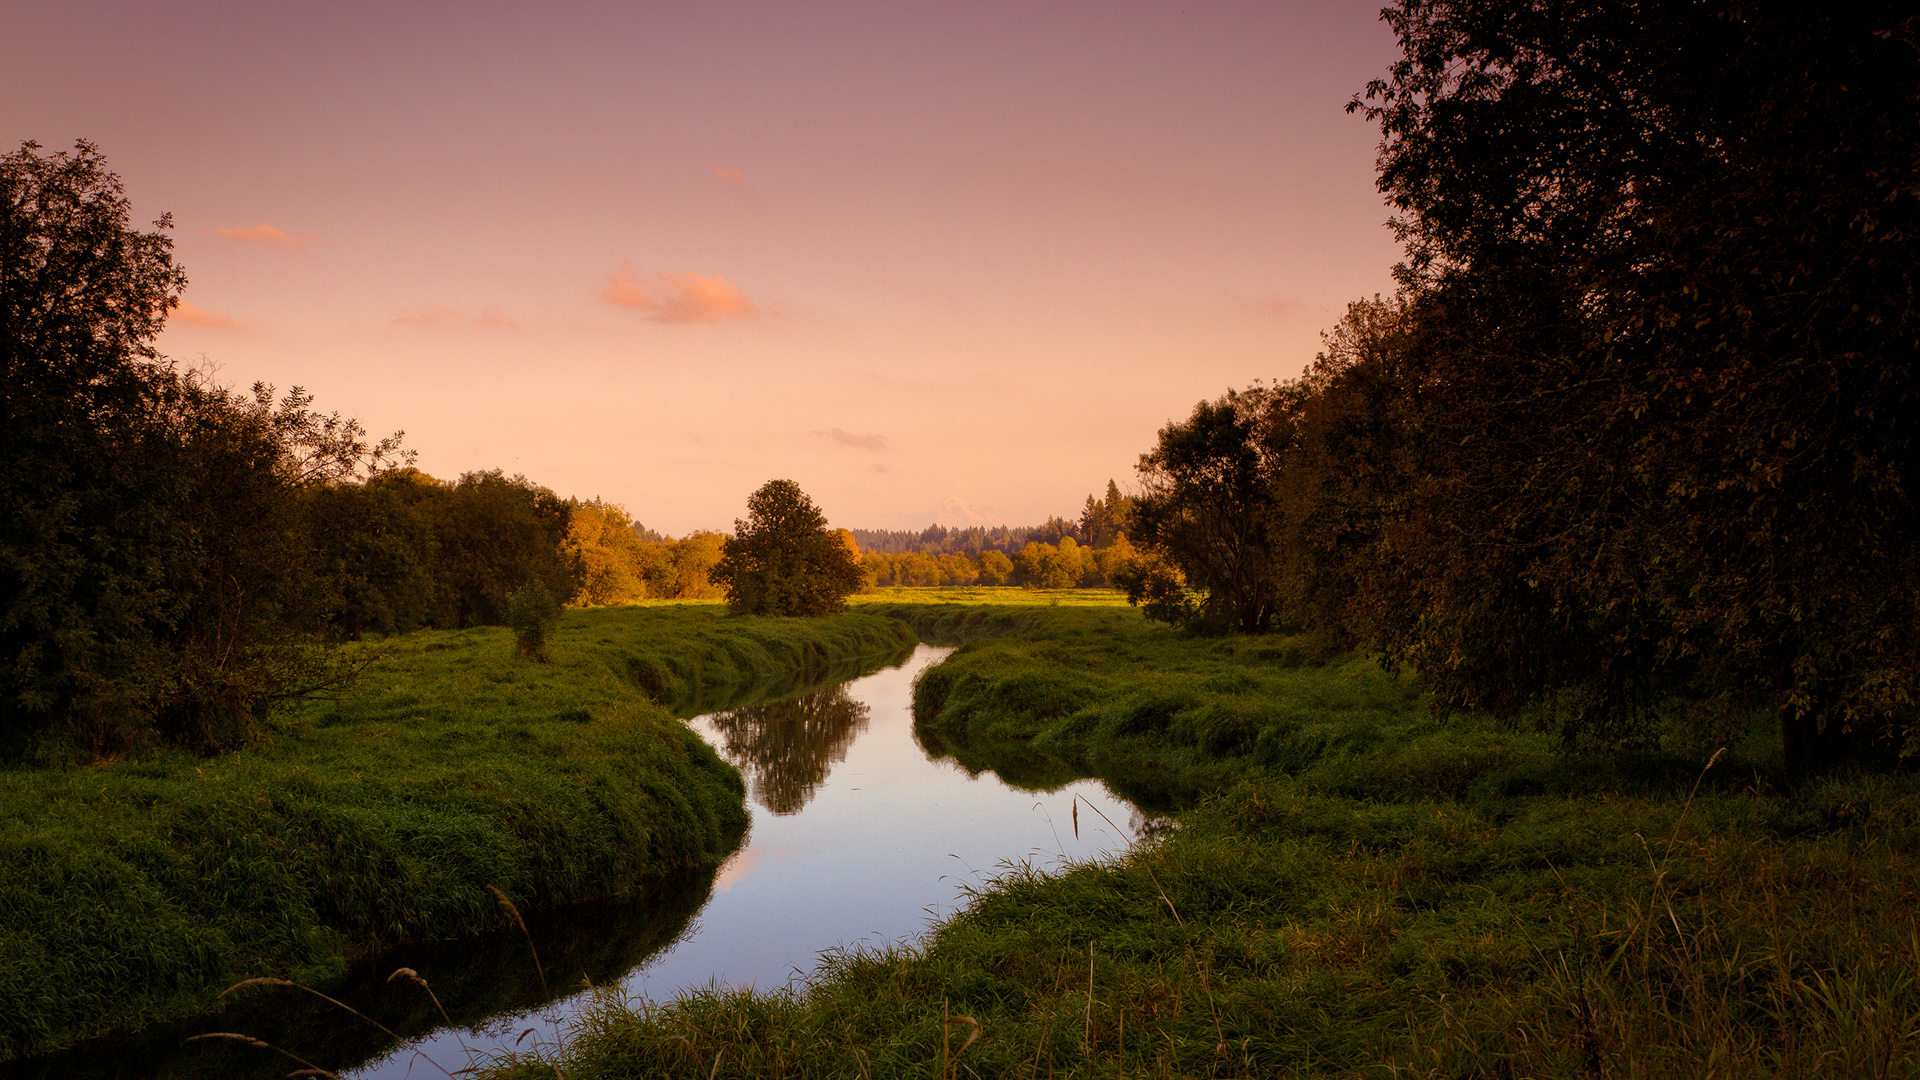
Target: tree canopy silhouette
{"x": 782, "y": 560}
{"x": 1664, "y": 262}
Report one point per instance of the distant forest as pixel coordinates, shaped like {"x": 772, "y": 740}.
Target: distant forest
{"x": 1102, "y": 519}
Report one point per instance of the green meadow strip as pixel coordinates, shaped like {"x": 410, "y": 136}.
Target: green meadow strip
{"x": 134, "y": 891}
{"x": 1357, "y": 888}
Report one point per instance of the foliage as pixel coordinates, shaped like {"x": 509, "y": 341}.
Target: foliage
{"x": 1665, "y": 358}
{"x": 133, "y": 891}
{"x": 1155, "y": 585}
{"x": 782, "y": 560}
{"x": 1106, "y": 520}
{"x": 496, "y": 532}
{"x": 81, "y": 297}
{"x": 620, "y": 562}
{"x": 607, "y": 551}
{"x": 994, "y": 568}
{"x": 532, "y": 614}
{"x": 155, "y": 581}
{"x": 1206, "y": 505}
{"x": 914, "y": 603}
{"x": 1036, "y": 566}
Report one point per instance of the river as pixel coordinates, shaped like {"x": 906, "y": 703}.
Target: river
{"x": 860, "y": 838}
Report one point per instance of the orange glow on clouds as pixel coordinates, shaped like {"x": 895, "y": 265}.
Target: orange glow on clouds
{"x": 731, "y": 176}
{"x": 685, "y": 297}
{"x": 267, "y": 234}
{"x": 199, "y": 316}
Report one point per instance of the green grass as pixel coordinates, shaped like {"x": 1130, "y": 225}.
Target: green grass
{"x": 1361, "y": 890}
{"x": 134, "y": 891}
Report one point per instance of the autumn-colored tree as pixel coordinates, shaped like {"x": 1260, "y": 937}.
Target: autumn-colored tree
{"x": 607, "y": 553}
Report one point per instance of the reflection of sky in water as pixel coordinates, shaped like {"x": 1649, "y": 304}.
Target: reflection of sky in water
{"x": 882, "y": 847}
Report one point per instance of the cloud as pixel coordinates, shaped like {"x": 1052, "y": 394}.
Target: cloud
{"x": 741, "y": 864}
{"x": 848, "y": 438}
{"x": 731, "y": 176}
{"x": 267, "y": 234}
{"x": 685, "y": 297}
{"x": 199, "y": 316}
{"x": 1274, "y": 305}
{"x": 441, "y": 315}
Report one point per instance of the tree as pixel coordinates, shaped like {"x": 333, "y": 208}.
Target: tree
{"x": 1104, "y": 520}
{"x": 605, "y": 549}
{"x": 1207, "y": 506}
{"x": 995, "y": 568}
{"x": 1665, "y": 260}
{"x": 82, "y": 548}
{"x": 496, "y": 533}
{"x": 782, "y": 560}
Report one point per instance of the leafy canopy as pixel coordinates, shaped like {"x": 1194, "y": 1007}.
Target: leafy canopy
{"x": 782, "y": 560}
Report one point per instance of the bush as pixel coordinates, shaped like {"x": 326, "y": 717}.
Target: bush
{"x": 533, "y": 614}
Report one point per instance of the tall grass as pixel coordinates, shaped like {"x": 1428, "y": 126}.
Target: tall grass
{"x": 1359, "y": 890}
{"x": 133, "y": 891}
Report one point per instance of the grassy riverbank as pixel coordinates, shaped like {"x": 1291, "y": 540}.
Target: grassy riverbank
{"x": 1363, "y": 890}
{"x": 134, "y": 891}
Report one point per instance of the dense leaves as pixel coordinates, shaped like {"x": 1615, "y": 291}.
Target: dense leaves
{"x": 1634, "y": 453}
{"x": 177, "y": 556}
{"x": 1667, "y": 255}
{"x": 782, "y": 560}
{"x": 1207, "y": 508}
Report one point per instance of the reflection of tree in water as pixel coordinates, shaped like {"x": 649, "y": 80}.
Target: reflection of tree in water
{"x": 786, "y": 747}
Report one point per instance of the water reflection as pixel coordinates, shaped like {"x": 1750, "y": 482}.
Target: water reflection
{"x": 476, "y": 979}
{"x": 1018, "y": 763}
{"x": 860, "y": 834}
{"x": 787, "y": 747}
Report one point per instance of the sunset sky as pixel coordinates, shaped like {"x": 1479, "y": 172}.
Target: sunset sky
{"x": 662, "y": 253}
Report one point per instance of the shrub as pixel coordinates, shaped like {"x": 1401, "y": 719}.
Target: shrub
{"x": 533, "y": 614}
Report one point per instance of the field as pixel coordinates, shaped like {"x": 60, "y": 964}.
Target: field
{"x": 134, "y": 891}
{"x": 1350, "y": 886}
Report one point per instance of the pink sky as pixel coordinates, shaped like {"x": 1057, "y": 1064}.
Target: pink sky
{"x": 663, "y": 253}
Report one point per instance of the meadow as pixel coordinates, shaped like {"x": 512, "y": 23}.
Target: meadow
{"x": 135, "y": 890}
{"x": 1350, "y": 886}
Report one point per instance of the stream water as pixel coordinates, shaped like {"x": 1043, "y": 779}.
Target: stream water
{"x": 861, "y": 837}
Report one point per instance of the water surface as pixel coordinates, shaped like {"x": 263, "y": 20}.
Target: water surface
{"x": 858, "y": 837}
{"x": 861, "y": 836}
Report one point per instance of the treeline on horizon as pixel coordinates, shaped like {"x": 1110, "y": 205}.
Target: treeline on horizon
{"x": 620, "y": 561}
{"x": 1631, "y": 455}
{"x": 1101, "y": 520}
{"x": 179, "y": 557}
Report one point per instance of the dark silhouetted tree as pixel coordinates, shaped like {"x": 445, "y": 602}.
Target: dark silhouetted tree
{"x": 1666, "y": 259}
{"x": 1207, "y": 506}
